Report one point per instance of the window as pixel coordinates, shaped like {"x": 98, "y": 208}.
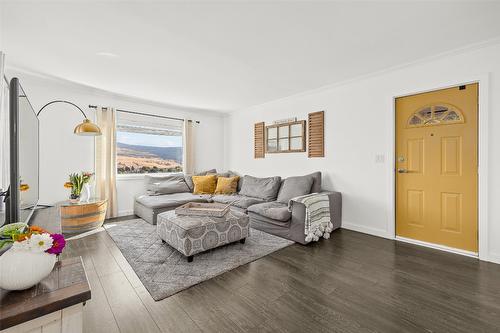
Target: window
{"x": 148, "y": 144}
{"x": 441, "y": 114}
{"x": 286, "y": 138}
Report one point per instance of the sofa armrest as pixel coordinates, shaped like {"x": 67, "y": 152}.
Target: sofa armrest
{"x": 336, "y": 209}
{"x": 299, "y": 214}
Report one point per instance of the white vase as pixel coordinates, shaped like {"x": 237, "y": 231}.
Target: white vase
{"x": 87, "y": 192}
{"x": 21, "y": 269}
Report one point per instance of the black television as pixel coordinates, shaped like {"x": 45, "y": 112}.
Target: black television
{"x": 23, "y": 193}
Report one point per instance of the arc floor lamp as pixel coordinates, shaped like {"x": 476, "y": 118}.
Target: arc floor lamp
{"x": 85, "y": 128}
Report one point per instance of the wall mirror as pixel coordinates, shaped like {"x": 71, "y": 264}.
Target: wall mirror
{"x": 286, "y": 138}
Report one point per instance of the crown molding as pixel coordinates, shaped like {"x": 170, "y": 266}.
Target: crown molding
{"x": 79, "y": 87}
{"x": 450, "y": 53}
{"x": 226, "y": 113}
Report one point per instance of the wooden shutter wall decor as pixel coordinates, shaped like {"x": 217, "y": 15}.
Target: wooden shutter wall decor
{"x": 259, "y": 140}
{"x": 316, "y": 139}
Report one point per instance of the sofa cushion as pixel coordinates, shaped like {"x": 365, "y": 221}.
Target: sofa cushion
{"x": 220, "y": 174}
{"x": 293, "y": 187}
{"x": 170, "y": 200}
{"x": 268, "y": 225}
{"x": 273, "y": 210}
{"x": 237, "y": 200}
{"x": 262, "y": 188}
{"x": 235, "y": 174}
{"x": 204, "y": 184}
{"x": 189, "y": 178}
{"x": 157, "y": 185}
{"x": 316, "y": 186}
{"x": 227, "y": 185}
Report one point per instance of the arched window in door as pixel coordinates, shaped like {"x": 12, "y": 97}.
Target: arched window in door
{"x": 436, "y": 114}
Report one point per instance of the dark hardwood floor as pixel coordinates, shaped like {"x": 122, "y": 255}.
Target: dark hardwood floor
{"x": 350, "y": 283}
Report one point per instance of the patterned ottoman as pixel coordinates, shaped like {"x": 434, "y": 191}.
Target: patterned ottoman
{"x": 194, "y": 234}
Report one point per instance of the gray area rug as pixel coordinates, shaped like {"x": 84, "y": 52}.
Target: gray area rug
{"x": 164, "y": 271}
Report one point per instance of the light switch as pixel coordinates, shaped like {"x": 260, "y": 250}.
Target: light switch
{"x": 380, "y": 158}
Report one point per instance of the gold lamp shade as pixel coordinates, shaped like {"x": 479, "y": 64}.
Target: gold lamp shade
{"x": 87, "y": 128}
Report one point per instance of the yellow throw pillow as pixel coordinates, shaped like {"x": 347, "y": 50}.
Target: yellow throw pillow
{"x": 227, "y": 185}
{"x": 204, "y": 184}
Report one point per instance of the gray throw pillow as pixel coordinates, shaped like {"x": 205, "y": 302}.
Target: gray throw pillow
{"x": 235, "y": 174}
{"x": 316, "y": 186}
{"x": 262, "y": 188}
{"x": 158, "y": 185}
{"x": 219, "y": 174}
{"x": 189, "y": 178}
{"x": 151, "y": 183}
{"x": 224, "y": 174}
{"x": 295, "y": 186}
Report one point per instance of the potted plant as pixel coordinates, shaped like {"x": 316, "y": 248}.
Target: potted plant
{"x": 76, "y": 183}
{"x": 31, "y": 257}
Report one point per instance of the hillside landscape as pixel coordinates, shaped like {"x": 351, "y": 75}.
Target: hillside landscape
{"x": 148, "y": 159}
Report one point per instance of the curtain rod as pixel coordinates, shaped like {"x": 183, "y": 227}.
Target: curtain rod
{"x": 145, "y": 114}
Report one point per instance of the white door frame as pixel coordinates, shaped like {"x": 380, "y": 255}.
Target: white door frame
{"x": 483, "y": 80}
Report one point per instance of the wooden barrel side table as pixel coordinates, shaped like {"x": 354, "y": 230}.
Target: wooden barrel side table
{"x": 82, "y": 216}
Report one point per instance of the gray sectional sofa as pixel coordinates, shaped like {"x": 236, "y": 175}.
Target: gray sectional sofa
{"x": 265, "y": 200}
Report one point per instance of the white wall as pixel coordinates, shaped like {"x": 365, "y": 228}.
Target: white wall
{"x": 1, "y": 25}
{"x": 359, "y": 126}
{"x": 62, "y": 152}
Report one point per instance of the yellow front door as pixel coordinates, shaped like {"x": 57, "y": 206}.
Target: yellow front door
{"x": 436, "y": 167}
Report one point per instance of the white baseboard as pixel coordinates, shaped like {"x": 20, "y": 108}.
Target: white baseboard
{"x": 125, "y": 213}
{"x": 366, "y": 230}
{"x": 491, "y": 257}
{"x": 494, "y": 258}
{"x": 437, "y": 247}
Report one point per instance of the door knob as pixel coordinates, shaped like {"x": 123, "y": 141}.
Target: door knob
{"x": 401, "y": 170}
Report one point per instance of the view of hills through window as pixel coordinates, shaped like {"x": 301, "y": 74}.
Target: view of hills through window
{"x": 148, "y": 153}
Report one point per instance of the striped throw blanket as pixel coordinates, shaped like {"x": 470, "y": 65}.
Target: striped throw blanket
{"x": 317, "y": 223}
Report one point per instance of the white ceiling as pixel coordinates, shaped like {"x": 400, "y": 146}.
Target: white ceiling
{"x": 229, "y": 55}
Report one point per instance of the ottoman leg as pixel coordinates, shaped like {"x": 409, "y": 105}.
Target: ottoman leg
{"x": 190, "y": 259}
{"x": 242, "y": 241}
